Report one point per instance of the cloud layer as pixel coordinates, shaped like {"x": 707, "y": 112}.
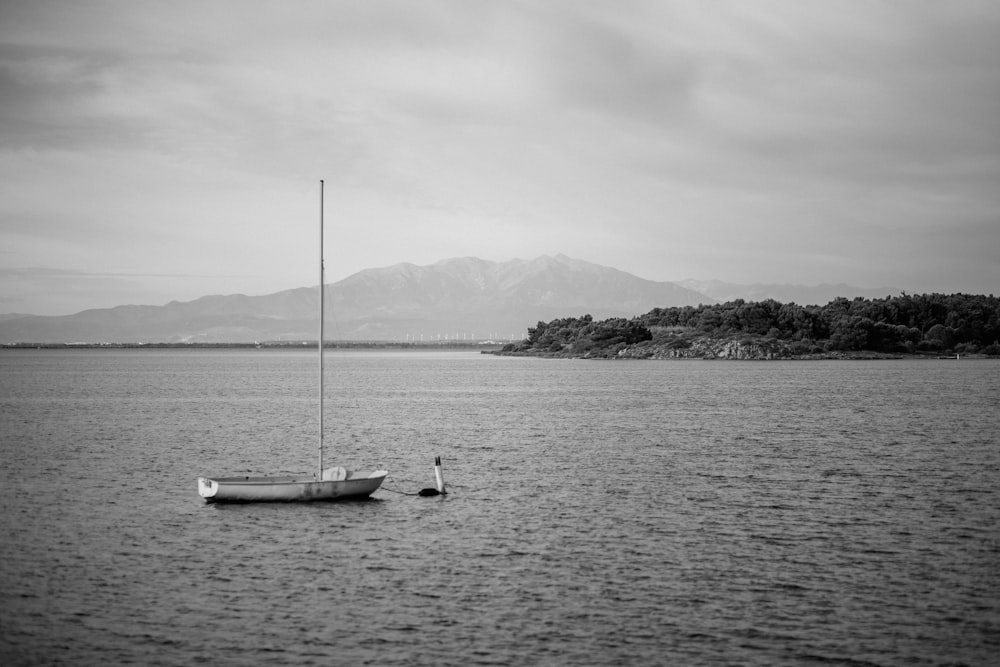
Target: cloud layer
{"x": 180, "y": 144}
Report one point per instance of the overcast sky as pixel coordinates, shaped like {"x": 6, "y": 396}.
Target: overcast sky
{"x": 153, "y": 151}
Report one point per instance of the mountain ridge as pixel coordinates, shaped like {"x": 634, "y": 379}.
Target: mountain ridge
{"x": 805, "y": 295}
{"x": 462, "y": 297}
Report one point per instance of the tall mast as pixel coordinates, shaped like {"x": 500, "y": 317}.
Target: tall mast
{"x": 319, "y": 345}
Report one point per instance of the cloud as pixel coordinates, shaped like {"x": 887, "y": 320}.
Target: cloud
{"x": 592, "y": 65}
{"x": 755, "y": 143}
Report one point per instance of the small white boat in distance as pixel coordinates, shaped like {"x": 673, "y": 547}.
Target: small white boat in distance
{"x": 330, "y": 483}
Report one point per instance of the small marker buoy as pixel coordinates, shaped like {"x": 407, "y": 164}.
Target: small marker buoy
{"x": 439, "y": 477}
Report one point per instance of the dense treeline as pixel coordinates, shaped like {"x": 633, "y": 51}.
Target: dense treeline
{"x": 906, "y": 324}
{"x": 579, "y": 335}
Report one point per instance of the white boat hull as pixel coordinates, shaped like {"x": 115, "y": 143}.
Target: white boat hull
{"x": 287, "y": 489}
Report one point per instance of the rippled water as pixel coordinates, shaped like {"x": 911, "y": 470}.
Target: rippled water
{"x": 681, "y": 512}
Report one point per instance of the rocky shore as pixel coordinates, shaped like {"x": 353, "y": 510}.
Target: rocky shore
{"x": 699, "y": 348}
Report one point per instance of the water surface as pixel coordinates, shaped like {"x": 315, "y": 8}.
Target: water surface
{"x": 679, "y": 512}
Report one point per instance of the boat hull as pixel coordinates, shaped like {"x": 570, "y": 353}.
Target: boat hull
{"x": 287, "y": 489}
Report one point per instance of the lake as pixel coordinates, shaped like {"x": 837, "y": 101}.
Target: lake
{"x": 599, "y": 512}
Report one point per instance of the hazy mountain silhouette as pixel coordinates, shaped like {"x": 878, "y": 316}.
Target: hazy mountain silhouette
{"x": 801, "y": 294}
{"x": 455, "y": 298}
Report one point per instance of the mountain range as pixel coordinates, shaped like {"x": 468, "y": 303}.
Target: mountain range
{"x": 816, "y": 295}
{"x": 461, "y": 298}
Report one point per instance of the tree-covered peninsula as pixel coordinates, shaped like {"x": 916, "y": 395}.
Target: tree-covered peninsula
{"x": 928, "y": 324}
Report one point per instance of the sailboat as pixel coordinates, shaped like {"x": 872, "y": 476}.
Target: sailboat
{"x": 327, "y": 483}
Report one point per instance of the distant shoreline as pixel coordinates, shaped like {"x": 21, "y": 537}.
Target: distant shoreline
{"x": 496, "y": 349}
{"x": 270, "y": 345}
{"x": 860, "y": 355}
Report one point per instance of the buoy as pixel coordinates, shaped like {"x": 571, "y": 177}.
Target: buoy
{"x": 438, "y": 475}
{"x": 439, "y": 491}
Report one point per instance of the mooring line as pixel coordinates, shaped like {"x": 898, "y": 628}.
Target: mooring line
{"x": 396, "y": 490}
